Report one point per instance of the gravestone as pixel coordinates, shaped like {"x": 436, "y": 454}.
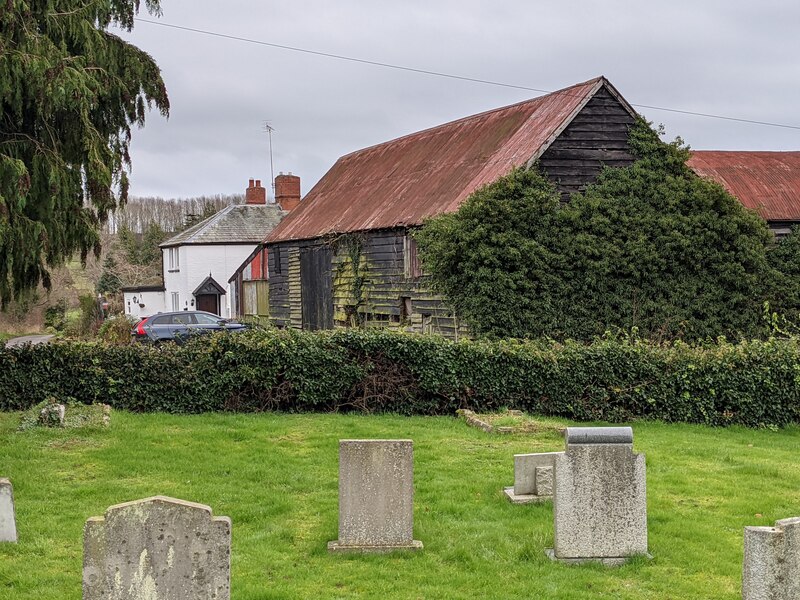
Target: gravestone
{"x": 600, "y": 500}
{"x": 157, "y": 549}
{"x": 8, "y": 518}
{"x": 771, "y": 569}
{"x": 533, "y": 478}
{"x": 376, "y": 496}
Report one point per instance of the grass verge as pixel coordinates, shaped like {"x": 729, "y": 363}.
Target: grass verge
{"x": 275, "y": 475}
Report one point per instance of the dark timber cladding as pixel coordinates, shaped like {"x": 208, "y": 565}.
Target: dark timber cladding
{"x": 344, "y": 256}
{"x": 389, "y": 297}
{"x": 315, "y": 287}
{"x": 596, "y": 137}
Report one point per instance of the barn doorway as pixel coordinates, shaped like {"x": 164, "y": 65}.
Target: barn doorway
{"x": 316, "y": 287}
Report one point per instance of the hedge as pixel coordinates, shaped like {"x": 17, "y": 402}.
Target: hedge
{"x": 749, "y": 383}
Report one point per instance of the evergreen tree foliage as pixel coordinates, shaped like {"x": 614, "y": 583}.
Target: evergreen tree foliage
{"x": 109, "y": 282}
{"x": 70, "y": 92}
{"x": 651, "y": 246}
{"x": 149, "y": 250}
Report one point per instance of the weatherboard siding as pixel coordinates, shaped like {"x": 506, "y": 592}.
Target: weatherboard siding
{"x": 278, "y": 258}
{"x": 384, "y": 286}
{"x": 596, "y": 137}
{"x": 372, "y": 294}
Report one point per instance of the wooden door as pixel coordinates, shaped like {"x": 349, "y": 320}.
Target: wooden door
{"x": 208, "y": 303}
{"x": 316, "y": 287}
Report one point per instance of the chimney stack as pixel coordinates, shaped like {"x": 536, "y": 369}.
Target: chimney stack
{"x": 255, "y": 194}
{"x": 287, "y": 191}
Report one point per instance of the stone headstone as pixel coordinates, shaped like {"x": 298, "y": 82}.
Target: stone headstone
{"x": 376, "y": 496}
{"x": 8, "y": 518}
{"x": 533, "y": 478}
{"x": 157, "y": 549}
{"x": 771, "y": 569}
{"x": 600, "y": 500}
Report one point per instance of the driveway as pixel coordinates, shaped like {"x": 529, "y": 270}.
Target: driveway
{"x": 28, "y": 339}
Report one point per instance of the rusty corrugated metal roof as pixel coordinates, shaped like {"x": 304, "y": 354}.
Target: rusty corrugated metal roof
{"x": 401, "y": 182}
{"x": 767, "y": 182}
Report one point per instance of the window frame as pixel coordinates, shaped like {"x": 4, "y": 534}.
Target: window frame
{"x": 412, "y": 267}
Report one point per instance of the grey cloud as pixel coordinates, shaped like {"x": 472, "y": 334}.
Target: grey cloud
{"x": 734, "y": 57}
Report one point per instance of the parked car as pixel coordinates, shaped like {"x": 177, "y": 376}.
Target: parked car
{"x": 177, "y": 326}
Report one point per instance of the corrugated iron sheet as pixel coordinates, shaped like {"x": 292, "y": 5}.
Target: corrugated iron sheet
{"x": 401, "y": 182}
{"x": 767, "y": 182}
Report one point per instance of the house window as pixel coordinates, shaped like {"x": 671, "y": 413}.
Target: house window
{"x": 411, "y": 265}
{"x": 276, "y": 253}
{"x": 174, "y": 259}
{"x": 176, "y": 303}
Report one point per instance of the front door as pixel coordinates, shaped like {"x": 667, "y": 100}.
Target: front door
{"x": 316, "y": 287}
{"x": 208, "y": 303}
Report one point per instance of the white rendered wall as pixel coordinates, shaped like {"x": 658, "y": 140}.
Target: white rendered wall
{"x": 153, "y": 302}
{"x": 195, "y": 264}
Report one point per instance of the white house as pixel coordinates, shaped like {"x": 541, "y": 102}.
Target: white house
{"x": 197, "y": 263}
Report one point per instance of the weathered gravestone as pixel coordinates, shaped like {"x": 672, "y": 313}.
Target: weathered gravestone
{"x": 8, "y": 519}
{"x": 376, "y": 496}
{"x": 157, "y": 549}
{"x": 533, "y": 478}
{"x": 600, "y": 500}
{"x": 771, "y": 568}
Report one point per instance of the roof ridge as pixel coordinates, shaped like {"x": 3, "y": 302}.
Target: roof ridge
{"x": 694, "y": 151}
{"x": 473, "y": 116}
{"x": 199, "y": 227}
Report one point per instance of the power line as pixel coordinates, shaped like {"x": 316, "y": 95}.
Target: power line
{"x": 446, "y": 75}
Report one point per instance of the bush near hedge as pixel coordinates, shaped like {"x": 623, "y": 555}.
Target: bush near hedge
{"x": 753, "y": 383}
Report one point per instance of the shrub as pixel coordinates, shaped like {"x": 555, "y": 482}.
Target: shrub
{"x": 613, "y": 379}
{"x": 116, "y": 330}
{"x": 55, "y": 316}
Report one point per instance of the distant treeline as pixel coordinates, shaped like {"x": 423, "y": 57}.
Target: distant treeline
{"x": 171, "y": 214}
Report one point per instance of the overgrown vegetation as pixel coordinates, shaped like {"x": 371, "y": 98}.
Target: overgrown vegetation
{"x": 616, "y": 378}
{"x": 351, "y": 276}
{"x": 651, "y": 246}
{"x": 76, "y": 415}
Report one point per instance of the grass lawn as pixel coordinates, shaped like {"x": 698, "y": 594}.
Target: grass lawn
{"x": 276, "y": 477}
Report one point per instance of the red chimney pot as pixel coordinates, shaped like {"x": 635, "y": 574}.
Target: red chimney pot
{"x": 255, "y": 194}
{"x": 287, "y": 191}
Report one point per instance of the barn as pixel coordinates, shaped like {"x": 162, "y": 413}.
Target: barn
{"x": 344, "y": 256}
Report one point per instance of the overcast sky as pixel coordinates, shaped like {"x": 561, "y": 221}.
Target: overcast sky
{"x": 736, "y": 58}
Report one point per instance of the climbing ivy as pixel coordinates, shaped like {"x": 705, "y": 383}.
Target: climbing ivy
{"x": 651, "y": 246}
{"x": 351, "y": 274}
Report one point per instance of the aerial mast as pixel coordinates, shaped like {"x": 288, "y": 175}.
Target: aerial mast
{"x": 269, "y": 129}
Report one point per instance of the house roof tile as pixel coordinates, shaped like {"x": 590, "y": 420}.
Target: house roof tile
{"x": 236, "y": 224}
